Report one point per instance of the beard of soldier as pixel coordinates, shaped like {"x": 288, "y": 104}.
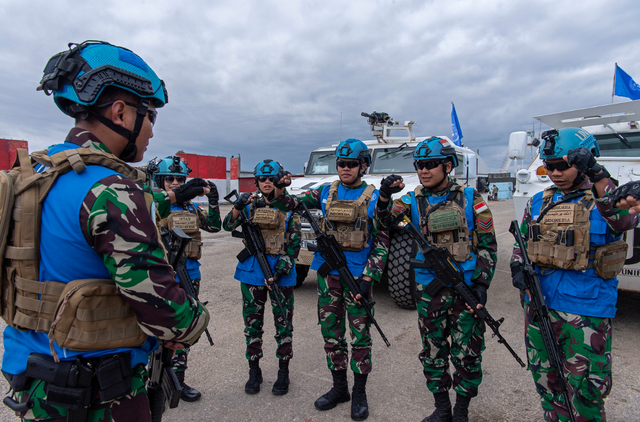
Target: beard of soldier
{"x": 350, "y": 177}
{"x": 435, "y": 179}
{"x": 563, "y": 179}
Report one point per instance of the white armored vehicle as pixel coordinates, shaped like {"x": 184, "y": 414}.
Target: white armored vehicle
{"x": 391, "y": 153}
{"x": 615, "y": 127}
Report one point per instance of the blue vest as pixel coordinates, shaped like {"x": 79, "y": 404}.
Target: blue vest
{"x": 356, "y": 261}
{"x": 249, "y": 272}
{"x": 424, "y": 275}
{"x": 65, "y": 256}
{"x": 193, "y": 266}
{"x": 580, "y": 292}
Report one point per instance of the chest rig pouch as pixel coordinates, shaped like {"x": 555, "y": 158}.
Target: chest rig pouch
{"x": 272, "y": 224}
{"x": 189, "y": 222}
{"x": 30, "y": 304}
{"x": 445, "y": 223}
{"x": 348, "y": 221}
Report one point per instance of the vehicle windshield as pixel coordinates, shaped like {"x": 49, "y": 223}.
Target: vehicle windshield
{"x": 321, "y": 163}
{"x": 393, "y": 160}
{"x": 612, "y": 146}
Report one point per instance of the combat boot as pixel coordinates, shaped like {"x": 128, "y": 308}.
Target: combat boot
{"x": 339, "y": 393}
{"x": 443, "y": 408}
{"x": 255, "y": 378}
{"x": 281, "y": 386}
{"x": 461, "y": 409}
{"x": 359, "y": 405}
{"x": 188, "y": 393}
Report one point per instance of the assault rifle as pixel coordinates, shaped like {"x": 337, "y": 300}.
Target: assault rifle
{"x": 540, "y": 313}
{"x": 446, "y": 270}
{"x": 334, "y": 257}
{"x": 254, "y": 246}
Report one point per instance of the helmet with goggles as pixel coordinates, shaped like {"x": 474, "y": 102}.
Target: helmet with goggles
{"x": 557, "y": 143}
{"x": 169, "y": 166}
{"x": 354, "y": 149}
{"x": 436, "y": 148}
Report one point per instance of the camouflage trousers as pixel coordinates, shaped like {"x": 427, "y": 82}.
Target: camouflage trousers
{"x": 449, "y": 331}
{"x": 253, "y": 304}
{"x": 334, "y": 301}
{"x": 181, "y": 356}
{"x": 585, "y": 344}
{"x": 134, "y": 406}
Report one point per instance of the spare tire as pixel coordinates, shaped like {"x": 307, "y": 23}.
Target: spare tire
{"x": 402, "y": 285}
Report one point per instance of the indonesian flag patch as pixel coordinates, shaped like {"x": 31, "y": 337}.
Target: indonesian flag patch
{"x": 480, "y": 207}
{"x": 485, "y": 225}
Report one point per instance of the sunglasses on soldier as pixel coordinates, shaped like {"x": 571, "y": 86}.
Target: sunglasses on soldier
{"x": 349, "y": 164}
{"x": 429, "y": 165}
{"x": 180, "y": 179}
{"x": 263, "y": 179}
{"x": 559, "y": 165}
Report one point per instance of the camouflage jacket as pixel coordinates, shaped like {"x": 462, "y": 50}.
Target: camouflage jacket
{"x": 380, "y": 236}
{"x": 287, "y": 260}
{"x": 487, "y": 246}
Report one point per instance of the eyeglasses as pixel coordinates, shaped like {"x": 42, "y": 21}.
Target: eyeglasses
{"x": 170, "y": 179}
{"x": 263, "y": 179}
{"x": 422, "y": 164}
{"x": 560, "y": 166}
{"x": 349, "y": 164}
{"x": 152, "y": 114}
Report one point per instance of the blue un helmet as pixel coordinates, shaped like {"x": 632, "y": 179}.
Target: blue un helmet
{"x": 557, "y": 143}
{"x": 267, "y": 168}
{"x": 354, "y": 149}
{"x": 78, "y": 77}
{"x": 169, "y": 166}
{"x": 435, "y": 148}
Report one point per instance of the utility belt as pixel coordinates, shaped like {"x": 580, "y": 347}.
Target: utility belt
{"x": 73, "y": 384}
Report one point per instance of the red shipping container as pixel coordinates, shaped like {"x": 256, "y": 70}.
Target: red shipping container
{"x": 8, "y": 152}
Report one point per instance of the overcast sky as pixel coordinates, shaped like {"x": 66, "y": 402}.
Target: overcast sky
{"x": 277, "y": 79}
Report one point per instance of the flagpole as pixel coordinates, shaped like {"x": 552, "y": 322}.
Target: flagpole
{"x": 613, "y": 92}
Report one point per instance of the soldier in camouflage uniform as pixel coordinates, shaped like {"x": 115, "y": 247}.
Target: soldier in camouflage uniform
{"x": 573, "y": 215}
{"x": 283, "y": 245}
{"x": 169, "y": 174}
{"x": 366, "y": 247}
{"x": 459, "y": 219}
{"x": 96, "y": 224}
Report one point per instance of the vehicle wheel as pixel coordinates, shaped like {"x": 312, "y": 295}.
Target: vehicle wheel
{"x": 402, "y": 285}
{"x": 301, "y": 274}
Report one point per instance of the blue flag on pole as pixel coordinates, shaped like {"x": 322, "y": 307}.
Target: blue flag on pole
{"x": 456, "y": 132}
{"x": 625, "y": 85}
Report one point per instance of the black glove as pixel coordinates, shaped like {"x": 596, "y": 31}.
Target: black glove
{"x": 213, "y": 196}
{"x": 279, "y": 177}
{"x": 278, "y": 275}
{"x": 586, "y": 163}
{"x": 365, "y": 288}
{"x": 385, "y": 186}
{"x": 242, "y": 201}
{"x": 517, "y": 276}
{"x": 480, "y": 291}
{"x": 620, "y": 193}
{"x": 190, "y": 190}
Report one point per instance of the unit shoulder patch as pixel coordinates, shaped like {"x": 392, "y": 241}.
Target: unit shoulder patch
{"x": 485, "y": 225}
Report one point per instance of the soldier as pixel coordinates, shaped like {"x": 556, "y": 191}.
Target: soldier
{"x": 456, "y": 218}
{"x": 169, "y": 174}
{"x": 281, "y": 233}
{"x": 573, "y": 237}
{"x": 365, "y": 247}
{"x": 97, "y": 246}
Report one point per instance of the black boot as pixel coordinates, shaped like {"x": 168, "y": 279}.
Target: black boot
{"x": 443, "y": 408}
{"x": 255, "y": 378}
{"x": 359, "y": 405}
{"x": 461, "y": 409}
{"x": 281, "y": 386}
{"x": 339, "y": 393}
{"x": 188, "y": 393}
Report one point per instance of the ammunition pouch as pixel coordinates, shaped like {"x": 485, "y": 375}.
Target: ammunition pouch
{"x": 190, "y": 224}
{"x": 609, "y": 259}
{"x": 272, "y": 224}
{"x": 348, "y": 221}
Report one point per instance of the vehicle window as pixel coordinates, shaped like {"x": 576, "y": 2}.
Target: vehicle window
{"x": 459, "y": 170}
{"x": 393, "y": 160}
{"x": 612, "y": 146}
{"x": 321, "y": 163}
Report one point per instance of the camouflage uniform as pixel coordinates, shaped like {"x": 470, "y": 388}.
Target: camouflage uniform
{"x": 254, "y": 297}
{"x": 334, "y": 298}
{"x": 446, "y": 315}
{"x": 585, "y": 340}
{"x": 116, "y": 223}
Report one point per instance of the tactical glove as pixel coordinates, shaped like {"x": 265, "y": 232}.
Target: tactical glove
{"x": 213, "y": 196}
{"x": 190, "y": 190}
{"x": 517, "y": 276}
{"x": 620, "y": 193}
{"x": 385, "y": 186}
{"x": 277, "y": 276}
{"x": 586, "y": 163}
{"x": 364, "y": 287}
{"x": 279, "y": 177}
{"x": 480, "y": 291}
{"x": 242, "y": 201}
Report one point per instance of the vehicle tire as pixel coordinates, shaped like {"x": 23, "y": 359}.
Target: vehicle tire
{"x": 301, "y": 274}
{"x": 402, "y": 285}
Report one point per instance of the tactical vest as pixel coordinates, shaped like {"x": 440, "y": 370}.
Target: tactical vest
{"x": 445, "y": 223}
{"x": 189, "y": 222}
{"x": 272, "y": 224}
{"x": 79, "y": 315}
{"x": 348, "y": 221}
{"x": 561, "y": 238}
